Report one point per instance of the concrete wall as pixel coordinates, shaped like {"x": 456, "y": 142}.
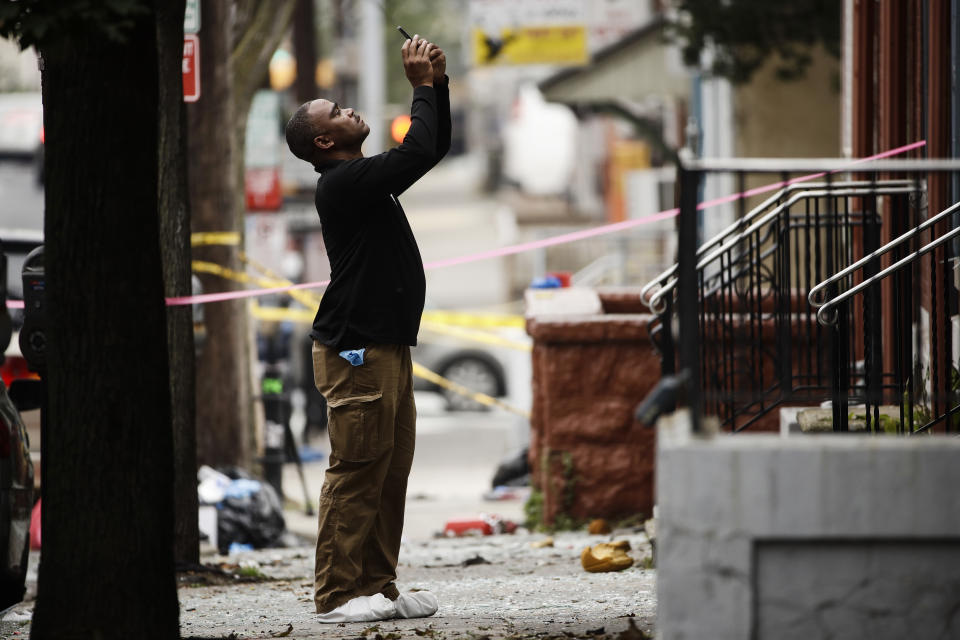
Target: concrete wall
{"x": 795, "y": 118}
{"x": 813, "y": 537}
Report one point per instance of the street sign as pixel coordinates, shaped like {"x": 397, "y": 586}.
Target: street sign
{"x": 564, "y": 32}
{"x": 529, "y": 32}
{"x": 191, "y": 68}
{"x": 549, "y": 44}
{"x": 262, "y": 153}
{"x": 191, "y": 17}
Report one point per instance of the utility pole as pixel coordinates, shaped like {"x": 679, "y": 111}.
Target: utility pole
{"x": 305, "y": 50}
{"x": 372, "y": 78}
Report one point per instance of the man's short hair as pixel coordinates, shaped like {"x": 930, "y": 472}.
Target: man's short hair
{"x": 300, "y": 132}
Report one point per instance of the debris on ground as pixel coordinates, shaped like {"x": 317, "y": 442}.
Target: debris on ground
{"x": 249, "y": 513}
{"x": 505, "y": 492}
{"x": 598, "y": 526}
{"x": 513, "y": 471}
{"x": 632, "y": 632}
{"x": 542, "y": 544}
{"x": 650, "y": 528}
{"x": 606, "y": 556}
{"x": 477, "y": 559}
{"x": 204, "y": 575}
{"x": 482, "y": 525}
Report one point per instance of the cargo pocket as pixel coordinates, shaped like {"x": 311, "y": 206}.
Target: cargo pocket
{"x": 354, "y": 427}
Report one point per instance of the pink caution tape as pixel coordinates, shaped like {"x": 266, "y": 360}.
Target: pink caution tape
{"x": 529, "y": 246}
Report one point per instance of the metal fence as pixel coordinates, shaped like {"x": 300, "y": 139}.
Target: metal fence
{"x": 881, "y": 352}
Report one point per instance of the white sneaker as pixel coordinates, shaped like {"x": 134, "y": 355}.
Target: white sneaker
{"x": 416, "y": 604}
{"x": 362, "y": 609}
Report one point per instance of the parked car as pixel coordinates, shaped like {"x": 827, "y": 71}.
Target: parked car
{"x": 475, "y": 368}
{"x": 19, "y": 391}
{"x": 16, "y": 499}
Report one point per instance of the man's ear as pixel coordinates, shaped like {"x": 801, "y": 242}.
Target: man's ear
{"x": 323, "y": 141}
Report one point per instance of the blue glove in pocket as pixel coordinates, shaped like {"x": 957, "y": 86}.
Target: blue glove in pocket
{"x": 353, "y": 356}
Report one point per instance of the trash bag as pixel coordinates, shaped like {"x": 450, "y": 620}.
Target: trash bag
{"x": 249, "y": 514}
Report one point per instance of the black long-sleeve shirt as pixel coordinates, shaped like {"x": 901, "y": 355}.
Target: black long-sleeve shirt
{"x": 377, "y": 284}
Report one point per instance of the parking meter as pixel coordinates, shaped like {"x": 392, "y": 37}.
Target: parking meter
{"x": 33, "y": 339}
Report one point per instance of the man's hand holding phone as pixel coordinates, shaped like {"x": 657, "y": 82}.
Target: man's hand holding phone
{"x": 416, "y": 54}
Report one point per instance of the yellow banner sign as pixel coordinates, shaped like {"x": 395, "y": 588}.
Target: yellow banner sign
{"x": 554, "y": 44}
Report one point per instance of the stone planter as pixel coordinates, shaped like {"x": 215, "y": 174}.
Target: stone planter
{"x": 593, "y": 362}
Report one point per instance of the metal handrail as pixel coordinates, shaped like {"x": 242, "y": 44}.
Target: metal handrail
{"x": 833, "y": 165}
{"x": 758, "y": 210}
{"x": 653, "y": 302}
{"x": 813, "y": 296}
{"x": 824, "y": 315}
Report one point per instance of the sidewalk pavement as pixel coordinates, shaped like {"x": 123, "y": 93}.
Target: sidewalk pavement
{"x": 513, "y": 591}
{"x": 492, "y": 587}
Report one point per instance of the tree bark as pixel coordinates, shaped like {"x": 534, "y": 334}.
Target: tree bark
{"x": 223, "y": 379}
{"x": 107, "y": 569}
{"x": 175, "y": 249}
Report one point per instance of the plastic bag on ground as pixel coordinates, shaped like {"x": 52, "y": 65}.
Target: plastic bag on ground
{"x": 249, "y": 514}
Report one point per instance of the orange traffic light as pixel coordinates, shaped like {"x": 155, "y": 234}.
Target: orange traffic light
{"x": 399, "y": 127}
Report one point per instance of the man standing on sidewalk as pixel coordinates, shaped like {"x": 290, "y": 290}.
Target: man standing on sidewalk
{"x": 368, "y": 319}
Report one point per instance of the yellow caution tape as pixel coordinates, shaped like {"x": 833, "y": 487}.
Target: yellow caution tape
{"x": 310, "y": 299}
{"x": 474, "y": 335}
{"x": 306, "y": 316}
{"x": 307, "y": 298}
{"x": 228, "y": 238}
{"x": 422, "y": 372}
{"x": 281, "y": 314}
{"x": 304, "y": 297}
{"x": 202, "y": 266}
{"x": 475, "y": 320}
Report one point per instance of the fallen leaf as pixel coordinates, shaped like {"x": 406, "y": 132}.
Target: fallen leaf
{"x": 633, "y": 633}
{"x": 598, "y": 526}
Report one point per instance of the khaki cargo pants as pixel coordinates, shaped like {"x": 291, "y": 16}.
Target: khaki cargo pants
{"x": 372, "y": 431}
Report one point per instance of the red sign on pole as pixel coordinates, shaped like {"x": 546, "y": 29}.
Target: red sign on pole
{"x": 191, "y": 68}
{"x": 262, "y": 188}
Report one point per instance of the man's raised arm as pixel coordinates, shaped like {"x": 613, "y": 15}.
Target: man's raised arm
{"x": 395, "y": 170}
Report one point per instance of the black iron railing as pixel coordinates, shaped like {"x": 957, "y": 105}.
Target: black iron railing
{"x": 917, "y": 388}
{"x": 748, "y": 339}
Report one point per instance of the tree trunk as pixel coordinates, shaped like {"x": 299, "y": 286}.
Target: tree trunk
{"x": 305, "y": 50}
{"x": 257, "y": 32}
{"x": 175, "y": 249}
{"x": 223, "y": 378}
{"x": 107, "y": 569}
{"x": 236, "y": 45}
